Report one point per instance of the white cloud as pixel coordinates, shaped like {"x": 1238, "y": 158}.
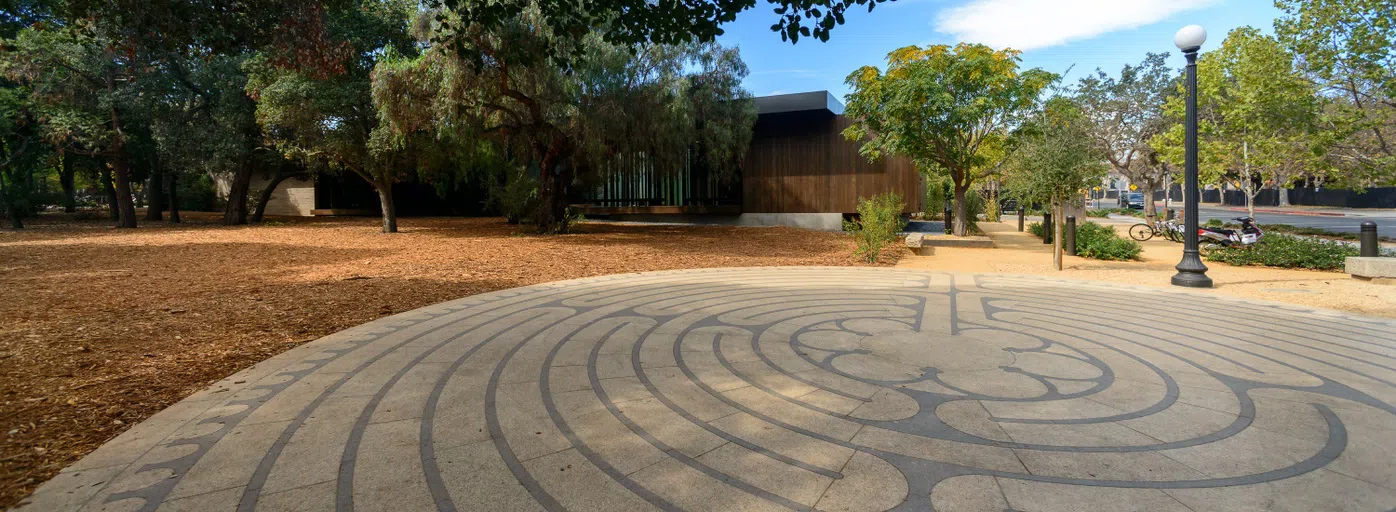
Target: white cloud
{"x": 1029, "y": 24}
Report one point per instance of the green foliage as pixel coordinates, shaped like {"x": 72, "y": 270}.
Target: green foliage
{"x": 974, "y": 207}
{"x": 1102, "y": 243}
{"x": 1287, "y": 252}
{"x": 1257, "y": 115}
{"x": 635, "y": 22}
{"x": 937, "y": 191}
{"x": 878, "y": 224}
{"x": 517, "y": 198}
{"x": 947, "y": 109}
{"x": 663, "y": 103}
{"x": 1056, "y": 157}
{"x": 1098, "y": 214}
{"x": 1348, "y": 47}
{"x": 1037, "y": 229}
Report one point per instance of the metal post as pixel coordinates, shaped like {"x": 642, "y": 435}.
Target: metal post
{"x": 1020, "y": 217}
{"x": 1069, "y": 236}
{"x": 1168, "y": 214}
{"x": 1369, "y": 249}
{"x": 949, "y": 217}
{"x": 1047, "y": 228}
{"x": 1191, "y": 271}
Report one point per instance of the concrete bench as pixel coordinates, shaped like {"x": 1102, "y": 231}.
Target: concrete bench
{"x": 1377, "y": 270}
{"x": 924, "y": 244}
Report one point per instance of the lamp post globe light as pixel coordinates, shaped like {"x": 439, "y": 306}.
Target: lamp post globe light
{"x": 1192, "y": 272}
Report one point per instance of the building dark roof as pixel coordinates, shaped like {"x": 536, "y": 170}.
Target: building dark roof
{"x": 798, "y": 102}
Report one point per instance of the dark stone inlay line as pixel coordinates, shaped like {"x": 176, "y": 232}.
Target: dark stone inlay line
{"x": 344, "y": 493}
{"x": 586, "y": 451}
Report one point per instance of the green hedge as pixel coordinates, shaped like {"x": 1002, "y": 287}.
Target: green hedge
{"x": 1102, "y": 243}
{"x": 1097, "y": 242}
{"x": 1287, "y": 252}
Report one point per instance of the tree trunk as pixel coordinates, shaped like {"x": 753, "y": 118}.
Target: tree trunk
{"x": 265, "y": 194}
{"x": 236, "y": 212}
{"x": 66, "y": 179}
{"x": 16, "y": 220}
{"x": 385, "y": 196}
{"x": 174, "y": 198}
{"x": 121, "y": 177}
{"x": 1057, "y": 220}
{"x": 111, "y": 195}
{"x": 155, "y": 196}
{"x": 960, "y": 226}
{"x": 553, "y": 178}
{"x": 1150, "y": 210}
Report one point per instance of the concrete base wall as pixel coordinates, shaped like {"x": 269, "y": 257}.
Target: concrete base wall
{"x": 814, "y": 221}
{"x": 811, "y": 221}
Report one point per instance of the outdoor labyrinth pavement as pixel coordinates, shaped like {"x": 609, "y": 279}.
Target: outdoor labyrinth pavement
{"x": 788, "y": 388}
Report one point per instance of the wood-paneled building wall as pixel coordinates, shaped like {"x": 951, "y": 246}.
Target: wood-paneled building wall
{"x": 799, "y": 161}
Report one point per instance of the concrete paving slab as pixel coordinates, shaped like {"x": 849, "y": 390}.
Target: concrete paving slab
{"x": 785, "y": 388}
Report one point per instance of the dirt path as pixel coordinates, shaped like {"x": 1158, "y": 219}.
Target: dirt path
{"x": 1022, "y": 253}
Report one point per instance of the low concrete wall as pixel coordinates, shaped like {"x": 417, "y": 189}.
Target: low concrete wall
{"x": 814, "y": 221}
{"x": 811, "y": 221}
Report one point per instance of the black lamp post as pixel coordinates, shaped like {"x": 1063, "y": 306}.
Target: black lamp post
{"x": 1191, "y": 271}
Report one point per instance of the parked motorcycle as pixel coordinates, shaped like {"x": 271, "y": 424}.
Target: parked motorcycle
{"x": 1211, "y": 239}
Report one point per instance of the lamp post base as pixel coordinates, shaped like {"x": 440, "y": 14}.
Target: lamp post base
{"x": 1192, "y": 280}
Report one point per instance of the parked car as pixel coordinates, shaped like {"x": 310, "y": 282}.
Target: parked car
{"x": 1134, "y": 200}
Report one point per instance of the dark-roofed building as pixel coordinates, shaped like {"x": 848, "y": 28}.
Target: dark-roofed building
{"x": 799, "y": 171}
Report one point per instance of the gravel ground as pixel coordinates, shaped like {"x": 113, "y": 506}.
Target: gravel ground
{"x": 101, "y": 328}
{"x": 1022, "y": 253}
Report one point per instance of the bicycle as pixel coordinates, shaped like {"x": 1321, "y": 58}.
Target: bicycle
{"x": 1169, "y": 229}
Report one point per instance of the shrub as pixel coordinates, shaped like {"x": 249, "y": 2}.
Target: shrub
{"x": 1287, "y": 252}
{"x": 1098, "y": 214}
{"x": 974, "y": 207}
{"x": 1036, "y": 229}
{"x": 937, "y": 190}
{"x": 517, "y": 199}
{"x": 1214, "y": 223}
{"x": 1102, "y": 243}
{"x": 878, "y": 224}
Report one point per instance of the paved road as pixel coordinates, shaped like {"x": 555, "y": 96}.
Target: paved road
{"x": 1386, "y": 220}
{"x": 786, "y": 389}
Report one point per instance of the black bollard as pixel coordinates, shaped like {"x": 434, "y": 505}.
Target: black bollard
{"x": 1168, "y": 214}
{"x": 1047, "y": 228}
{"x": 1020, "y": 218}
{"x": 1069, "y": 236}
{"x": 1369, "y": 249}
{"x": 949, "y": 218}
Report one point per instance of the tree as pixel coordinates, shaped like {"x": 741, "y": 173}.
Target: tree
{"x": 1348, "y": 48}
{"x": 319, "y": 110}
{"x": 661, "y": 103}
{"x": 1126, "y": 114}
{"x": 630, "y": 23}
{"x": 1055, "y": 160}
{"x": 942, "y": 107}
{"x": 1257, "y": 116}
{"x": 84, "y": 88}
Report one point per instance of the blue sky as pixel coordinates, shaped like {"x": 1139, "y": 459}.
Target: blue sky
{"x": 1054, "y": 34}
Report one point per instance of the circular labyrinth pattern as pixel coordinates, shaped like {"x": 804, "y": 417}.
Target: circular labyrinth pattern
{"x": 787, "y": 388}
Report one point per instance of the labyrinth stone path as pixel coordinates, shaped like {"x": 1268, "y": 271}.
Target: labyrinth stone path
{"x": 787, "y": 388}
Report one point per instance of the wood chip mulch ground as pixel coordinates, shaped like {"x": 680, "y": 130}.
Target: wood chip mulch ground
{"x": 101, "y": 328}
